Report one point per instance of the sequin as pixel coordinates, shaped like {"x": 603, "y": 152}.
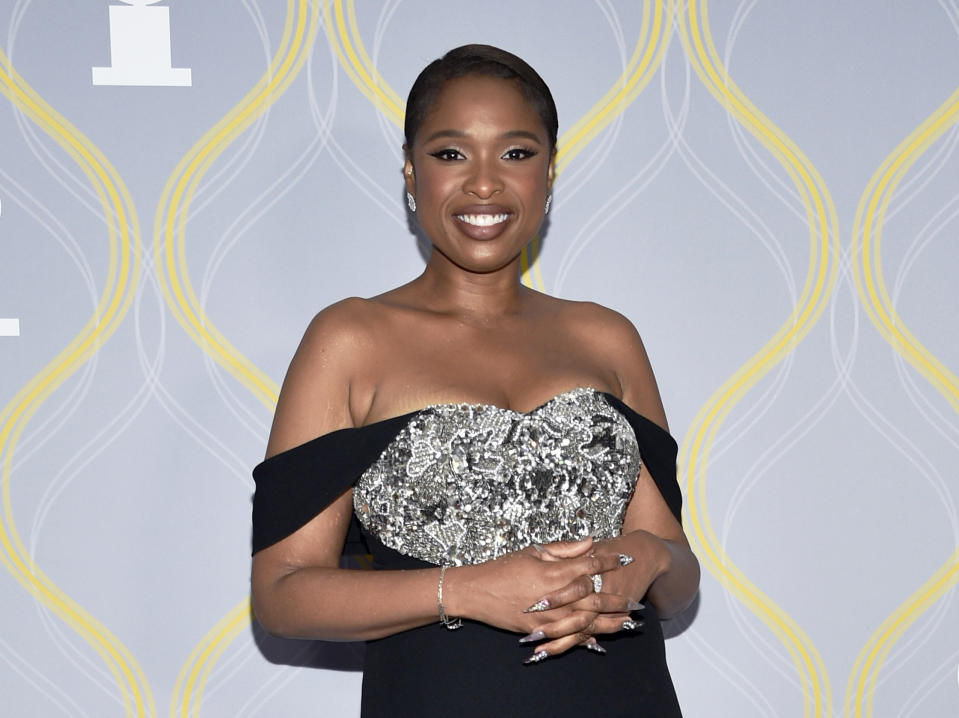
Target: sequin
{"x": 465, "y": 483}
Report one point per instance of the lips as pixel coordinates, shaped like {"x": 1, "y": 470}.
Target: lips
{"x": 485, "y": 221}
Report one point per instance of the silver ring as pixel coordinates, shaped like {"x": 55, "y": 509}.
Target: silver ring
{"x": 597, "y": 580}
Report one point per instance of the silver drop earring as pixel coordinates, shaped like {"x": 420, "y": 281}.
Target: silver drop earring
{"x": 549, "y": 198}
{"x": 412, "y": 202}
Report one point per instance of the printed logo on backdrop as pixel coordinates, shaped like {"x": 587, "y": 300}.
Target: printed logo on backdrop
{"x": 140, "y": 48}
{"x": 8, "y": 327}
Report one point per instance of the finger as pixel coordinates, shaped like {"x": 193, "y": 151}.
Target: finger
{"x": 616, "y": 623}
{"x": 556, "y": 647}
{"x": 566, "y": 549}
{"x": 606, "y": 603}
{"x": 578, "y": 588}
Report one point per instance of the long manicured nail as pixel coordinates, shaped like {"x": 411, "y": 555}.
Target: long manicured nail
{"x": 595, "y": 648}
{"x": 534, "y": 636}
{"x": 537, "y": 657}
{"x": 539, "y": 547}
{"x": 630, "y": 625}
{"x": 540, "y": 605}
{"x": 634, "y": 606}
{"x": 625, "y": 559}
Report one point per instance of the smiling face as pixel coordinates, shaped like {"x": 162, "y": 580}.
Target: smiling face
{"x": 480, "y": 169}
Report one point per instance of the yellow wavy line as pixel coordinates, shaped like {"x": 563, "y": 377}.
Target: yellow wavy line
{"x": 192, "y": 679}
{"x": 346, "y": 40}
{"x": 820, "y": 280}
{"x": 356, "y": 62}
{"x": 642, "y": 67}
{"x": 170, "y": 220}
{"x": 299, "y": 33}
{"x": 119, "y": 288}
{"x": 871, "y": 286}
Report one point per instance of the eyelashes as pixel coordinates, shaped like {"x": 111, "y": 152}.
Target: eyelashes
{"x": 448, "y": 154}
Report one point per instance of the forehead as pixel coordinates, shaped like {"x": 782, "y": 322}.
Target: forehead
{"x": 481, "y": 102}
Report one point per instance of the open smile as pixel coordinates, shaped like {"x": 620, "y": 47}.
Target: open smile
{"x": 482, "y": 220}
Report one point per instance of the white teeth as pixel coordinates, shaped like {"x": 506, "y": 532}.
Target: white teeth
{"x": 482, "y": 220}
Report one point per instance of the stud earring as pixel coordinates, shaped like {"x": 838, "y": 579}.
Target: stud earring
{"x": 411, "y": 202}
{"x": 549, "y": 199}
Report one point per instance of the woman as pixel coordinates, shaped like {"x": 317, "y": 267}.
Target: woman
{"x": 532, "y": 501}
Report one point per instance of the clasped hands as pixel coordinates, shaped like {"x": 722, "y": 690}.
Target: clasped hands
{"x": 549, "y": 593}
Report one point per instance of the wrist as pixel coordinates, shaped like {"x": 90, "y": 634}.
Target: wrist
{"x": 454, "y": 592}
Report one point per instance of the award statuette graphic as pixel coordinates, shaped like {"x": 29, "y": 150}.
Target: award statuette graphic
{"x": 140, "y": 48}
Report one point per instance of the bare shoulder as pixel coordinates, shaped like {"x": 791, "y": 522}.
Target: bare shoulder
{"x": 316, "y": 394}
{"x": 617, "y": 340}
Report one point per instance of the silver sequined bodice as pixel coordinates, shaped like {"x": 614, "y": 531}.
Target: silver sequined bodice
{"x": 465, "y": 483}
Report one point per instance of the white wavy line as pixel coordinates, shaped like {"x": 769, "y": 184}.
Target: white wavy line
{"x": 732, "y": 431}
{"x": 922, "y": 239}
{"x": 192, "y": 427}
{"x": 945, "y": 671}
{"x": 739, "y": 681}
{"x": 231, "y": 236}
{"x": 920, "y": 633}
{"x": 94, "y": 671}
{"x": 387, "y": 202}
{"x": 623, "y": 197}
{"x": 237, "y": 157}
{"x": 778, "y": 186}
{"x": 39, "y": 681}
{"x": 226, "y": 670}
{"x": 80, "y": 189}
{"x": 939, "y": 421}
{"x": 229, "y": 239}
{"x": 913, "y": 454}
{"x": 41, "y": 431}
{"x": 578, "y": 175}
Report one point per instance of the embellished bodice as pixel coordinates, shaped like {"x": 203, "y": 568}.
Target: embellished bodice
{"x": 456, "y": 483}
{"x": 465, "y": 483}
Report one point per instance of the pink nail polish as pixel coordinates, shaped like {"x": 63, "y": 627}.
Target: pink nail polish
{"x": 634, "y": 606}
{"x": 534, "y": 636}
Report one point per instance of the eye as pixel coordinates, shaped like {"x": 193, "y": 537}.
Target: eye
{"x": 447, "y": 155}
{"x": 519, "y": 153}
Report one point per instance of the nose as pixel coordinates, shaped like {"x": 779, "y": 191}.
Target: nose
{"x": 483, "y": 180}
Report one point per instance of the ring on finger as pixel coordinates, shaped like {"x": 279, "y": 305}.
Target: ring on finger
{"x": 597, "y": 580}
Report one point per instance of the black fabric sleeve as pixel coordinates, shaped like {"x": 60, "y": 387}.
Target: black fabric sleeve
{"x": 294, "y": 486}
{"x": 658, "y": 451}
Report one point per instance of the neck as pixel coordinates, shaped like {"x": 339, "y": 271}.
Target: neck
{"x": 482, "y": 295}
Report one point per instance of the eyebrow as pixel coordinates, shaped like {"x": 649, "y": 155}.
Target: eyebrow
{"x": 512, "y": 134}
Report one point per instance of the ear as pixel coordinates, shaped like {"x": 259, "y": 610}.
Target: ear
{"x": 408, "y": 176}
{"x": 551, "y": 172}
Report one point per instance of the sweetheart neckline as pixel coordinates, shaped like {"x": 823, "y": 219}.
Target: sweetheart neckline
{"x": 400, "y": 418}
{"x": 481, "y": 405}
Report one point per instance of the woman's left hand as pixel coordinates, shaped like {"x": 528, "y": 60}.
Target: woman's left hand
{"x": 643, "y": 556}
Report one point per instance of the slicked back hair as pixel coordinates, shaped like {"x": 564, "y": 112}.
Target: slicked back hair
{"x": 483, "y": 60}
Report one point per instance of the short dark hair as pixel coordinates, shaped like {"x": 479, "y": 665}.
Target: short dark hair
{"x": 478, "y": 60}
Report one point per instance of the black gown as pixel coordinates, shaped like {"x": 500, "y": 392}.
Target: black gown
{"x": 464, "y": 483}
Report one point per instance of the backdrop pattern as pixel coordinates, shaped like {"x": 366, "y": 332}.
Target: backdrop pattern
{"x": 769, "y": 191}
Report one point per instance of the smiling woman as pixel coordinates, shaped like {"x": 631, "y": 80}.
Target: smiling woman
{"x": 502, "y": 454}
